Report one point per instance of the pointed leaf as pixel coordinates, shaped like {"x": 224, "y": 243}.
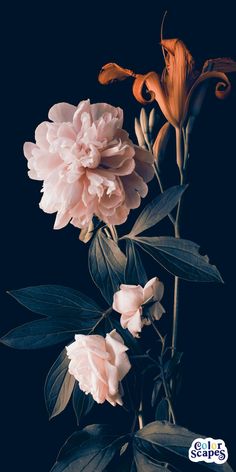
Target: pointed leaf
{"x": 89, "y": 450}
{"x": 40, "y": 333}
{"x": 156, "y": 391}
{"x": 162, "y": 410}
{"x": 58, "y": 386}
{"x": 54, "y": 300}
{"x": 134, "y": 272}
{"x": 146, "y": 464}
{"x": 162, "y": 442}
{"x": 82, "y": 403}
{"x": 181, "y": 258}
{"x": 158, "y": 209}
{"x": 107, "y": 265}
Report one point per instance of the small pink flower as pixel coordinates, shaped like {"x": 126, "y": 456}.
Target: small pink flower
{"x": 88, "y": 164}
{"x": 99, "y": 364}
{"x": 129, "y": 301}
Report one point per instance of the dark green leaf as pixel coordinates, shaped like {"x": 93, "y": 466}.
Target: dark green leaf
{"x": 122, "y": 462}
{"x": 107, "y": 265}
{"x": 158, "y": 209}
{"x": 82, "y": 403}
{"x": 162, "y": 410}
{"x": 146, "y": 464}
{"x": 58, "y": 386}
{"x": 134, "y": 272}
{"x": 180, "y": 257}
{"x": 40, "y": 333}
{"x": 162, "y": 442}
{"x": 172, "y": 364}
{"x": 89, "y": 450}
{"x": 156, "y": 391}
{"x": 54, "y": 300}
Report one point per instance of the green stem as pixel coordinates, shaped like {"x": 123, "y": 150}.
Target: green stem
{"x": 104, "y": 315}
{"x": 179, "y": 159}
{"x": 167, "y": 394}
{"x": 162, "y": 339}
{"x": 162, "y": 190}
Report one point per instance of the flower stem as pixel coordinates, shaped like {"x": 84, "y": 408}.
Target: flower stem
{"x": 104, "y": 315}
{"x": 162, "y": 339}
{"x": 167, "y": 394}
{"x": 140, "y": 416}
{"x": 162, "y": 190}
{"x": 179, "y": 159}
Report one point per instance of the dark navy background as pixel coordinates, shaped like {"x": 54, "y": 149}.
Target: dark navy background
{"x": 53, "y": 52}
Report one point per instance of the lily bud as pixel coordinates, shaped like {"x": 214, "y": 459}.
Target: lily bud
{"x": 139, "y": 133}
{"x": 144, "y": 121}
{"x": 152, "y": 120}
{"x": 160, "y": 145}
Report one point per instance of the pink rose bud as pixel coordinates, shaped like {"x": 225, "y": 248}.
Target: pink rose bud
{"x": 129, "y": 301}
{"x": 88, "y": 165}
{"x": 99, "y": 364}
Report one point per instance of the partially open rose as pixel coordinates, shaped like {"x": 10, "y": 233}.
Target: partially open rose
{"x": 129, "y": 301}
{"x": 99, "y": 364}
{"x": 88, "y": 164}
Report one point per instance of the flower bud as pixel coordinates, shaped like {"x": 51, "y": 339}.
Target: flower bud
{"x": 152, "y": 120}
{"x": 144, "y": 121}
{"x": 139, "y": 133}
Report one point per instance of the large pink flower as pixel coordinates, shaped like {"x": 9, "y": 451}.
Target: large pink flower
{"x": 88, "y": 164}
{"x": 99, "y": 364}
{"x": 129, "y": 301}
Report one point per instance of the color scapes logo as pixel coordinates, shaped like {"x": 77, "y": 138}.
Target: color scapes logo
{"x": 208, "y": 450}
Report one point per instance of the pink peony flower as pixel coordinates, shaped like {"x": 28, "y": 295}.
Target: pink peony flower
{"x": 88, "y": 164}
{"x": 99, "y": 364}
{"x": 129, "y": 301}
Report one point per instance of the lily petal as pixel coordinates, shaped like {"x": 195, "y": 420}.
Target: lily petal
{"x": 112, "y": 71}
{"x": 161, "y": 142}
{"x": 220, "y": 64}
{"x": 221, "y": 94}
{"x": 154, "y": 86}
{"x": 179, "y": 66}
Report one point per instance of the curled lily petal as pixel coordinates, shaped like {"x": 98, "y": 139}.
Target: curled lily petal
{"x": 220, "y": 64}
{"x": 219, "y": 92}
{"x": 154, "y": 86}
{"x": 138, "y": 85}
{"x": 112, "y": 71}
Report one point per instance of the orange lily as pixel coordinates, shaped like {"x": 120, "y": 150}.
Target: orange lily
{"x": 174, "y": 88}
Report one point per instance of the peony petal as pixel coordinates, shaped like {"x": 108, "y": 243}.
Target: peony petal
{"x": 156, "y": 311}
{"x": 129, "y": 298}
{"x": 62, "y": 112}
{"x": 41, "y": 135}
{"x": 28, "y": 148}
{"x": 143, "y": 155}
{"x": 153, "y": 288}
{"x": 115, "y": 346}
{"x": 98, "y": 110}
{"x": 135, "y": 324}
